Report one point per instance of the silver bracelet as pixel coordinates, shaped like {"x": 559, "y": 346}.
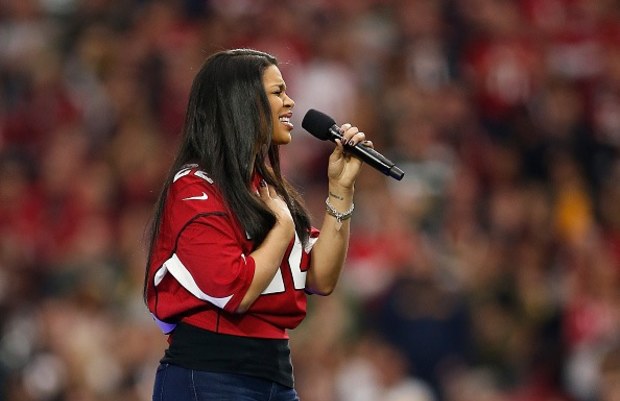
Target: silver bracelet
{"x": 329, "y": 208}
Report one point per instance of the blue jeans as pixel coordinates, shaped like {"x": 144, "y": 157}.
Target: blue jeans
{"x": 174, "y": 383}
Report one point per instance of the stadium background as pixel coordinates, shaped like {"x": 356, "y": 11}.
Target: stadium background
{"x": 491, "y": 272}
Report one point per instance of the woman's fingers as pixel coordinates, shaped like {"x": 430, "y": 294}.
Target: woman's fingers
{"x": 268, "y": 192}
{"x": 272, "y": 192}
{"x": 263, "y": 189}
{"x": 357, "y": 138}
{"x": 351, "y": 135}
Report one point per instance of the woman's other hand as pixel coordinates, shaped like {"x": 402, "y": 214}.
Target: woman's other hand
{"x": 343, "y": 167}
{"x": 278, "y": 207}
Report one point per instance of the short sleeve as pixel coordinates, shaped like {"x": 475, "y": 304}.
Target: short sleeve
{"x": 214, "y": 265}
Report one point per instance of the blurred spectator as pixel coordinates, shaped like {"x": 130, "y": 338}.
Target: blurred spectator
{"x": 609, "y": 368}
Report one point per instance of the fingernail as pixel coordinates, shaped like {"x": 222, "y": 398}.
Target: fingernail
{"x": 263, "y": 183}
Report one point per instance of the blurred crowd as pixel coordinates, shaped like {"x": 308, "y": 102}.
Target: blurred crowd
{"x": 491, "y": 272}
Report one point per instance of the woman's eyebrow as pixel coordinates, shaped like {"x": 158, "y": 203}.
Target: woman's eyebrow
{"x": 279, "y": 85}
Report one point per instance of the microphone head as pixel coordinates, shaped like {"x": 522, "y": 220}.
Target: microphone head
{"x": 318, "y": 124}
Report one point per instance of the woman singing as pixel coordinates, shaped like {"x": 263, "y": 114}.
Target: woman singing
{"x": 233, "y": 252}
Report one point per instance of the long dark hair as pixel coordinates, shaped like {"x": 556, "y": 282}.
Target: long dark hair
{"x": 227, "y": 133}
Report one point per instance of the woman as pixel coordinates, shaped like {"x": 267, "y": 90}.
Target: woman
{"x": 232, "y": 250}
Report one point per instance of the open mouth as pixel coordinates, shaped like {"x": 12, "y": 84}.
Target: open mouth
{"x": 286, "y": 120}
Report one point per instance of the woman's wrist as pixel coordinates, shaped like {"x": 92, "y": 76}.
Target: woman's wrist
{"x": 339, "y": 196}
{"x": 338, "y": 192}
{"x": 284, "y": 228}
{"x": 338, "y": 214}
{"x": 335, "y": 185}
{"x": 339, "y": 203}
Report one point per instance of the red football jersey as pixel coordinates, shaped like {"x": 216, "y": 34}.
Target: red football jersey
{"x": 201, "y": 267}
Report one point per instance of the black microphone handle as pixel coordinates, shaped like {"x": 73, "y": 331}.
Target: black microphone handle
{"x": 370, "y": 156}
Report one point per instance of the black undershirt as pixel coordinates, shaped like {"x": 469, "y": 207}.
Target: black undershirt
{"x": 195, "y": 348}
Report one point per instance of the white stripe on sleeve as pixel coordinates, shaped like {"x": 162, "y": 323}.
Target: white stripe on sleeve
{"x": 184, "y": 277}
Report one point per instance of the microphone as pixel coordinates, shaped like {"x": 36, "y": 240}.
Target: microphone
{"x": 324, "y": 127}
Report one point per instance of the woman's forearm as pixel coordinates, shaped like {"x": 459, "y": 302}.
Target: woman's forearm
{"x": 330, "y": 250}
{"x": 267, "y": 260}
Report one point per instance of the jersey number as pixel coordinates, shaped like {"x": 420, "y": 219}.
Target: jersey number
{"x": 294, "y": 262}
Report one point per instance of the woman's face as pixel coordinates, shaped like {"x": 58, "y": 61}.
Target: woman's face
{"x": 281, "y": 105}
